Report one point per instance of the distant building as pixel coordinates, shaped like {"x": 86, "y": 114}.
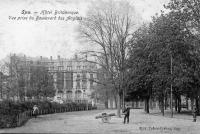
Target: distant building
{"x": 73, "y": 78}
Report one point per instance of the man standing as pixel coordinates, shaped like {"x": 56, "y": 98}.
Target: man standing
{"x": 35, "y": 110}
{"x": 126, "y": 114}
{"x": 195, "y": 114}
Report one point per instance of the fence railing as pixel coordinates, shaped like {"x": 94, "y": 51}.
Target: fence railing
{"x": 25, "y": 116}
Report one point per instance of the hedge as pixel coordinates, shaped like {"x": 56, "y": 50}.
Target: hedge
{"x": 11, "y": 111}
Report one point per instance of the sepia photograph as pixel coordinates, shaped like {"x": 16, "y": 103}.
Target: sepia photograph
{"x": 100, "y": 66}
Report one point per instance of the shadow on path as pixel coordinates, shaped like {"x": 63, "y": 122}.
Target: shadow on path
{"x": 185, "y": 114}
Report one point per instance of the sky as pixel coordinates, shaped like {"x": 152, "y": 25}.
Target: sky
{"x": 50, "y": 37}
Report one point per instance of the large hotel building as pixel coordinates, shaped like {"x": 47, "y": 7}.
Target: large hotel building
{"x": 74, "y": 79}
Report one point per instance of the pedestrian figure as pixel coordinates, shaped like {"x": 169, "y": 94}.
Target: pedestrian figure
{"x": 35, "y": 111}
{"x": 126, "y": 112}
{"x": 195, "y": 114}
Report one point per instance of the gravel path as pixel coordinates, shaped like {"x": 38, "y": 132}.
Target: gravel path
{"x": 85, "y": 122}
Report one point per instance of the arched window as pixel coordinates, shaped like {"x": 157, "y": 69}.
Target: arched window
{"x": 60, "y": 93}
{"x": 84, "y": 81}
{"x": 69, "y": 95}
{"x": 78, "y": 81}
{"x": 78, "y": 95}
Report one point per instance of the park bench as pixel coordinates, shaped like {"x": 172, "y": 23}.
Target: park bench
{"x": 105, "y": 117}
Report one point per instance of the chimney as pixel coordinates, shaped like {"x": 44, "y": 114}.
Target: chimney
{"x": 76, "y": 57}
{"x": 50, "y": 57}
{"x": 86, "y": 57}
{"x": 58, "y": 57}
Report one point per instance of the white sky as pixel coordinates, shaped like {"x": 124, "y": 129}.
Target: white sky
{"x": 51, "y": 38}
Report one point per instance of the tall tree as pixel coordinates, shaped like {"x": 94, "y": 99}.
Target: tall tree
{"x": 152, "y": 47}
{"x": 41, "y": 82}
{"x": 189, "y": 13}
{"x": 27, "y": 80}
{"x": 141, "y": 66}
{"x": 108, "y": 26}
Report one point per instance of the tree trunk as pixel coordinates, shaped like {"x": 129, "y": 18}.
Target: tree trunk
{"x": 162, "y": 106}
{"x": 197, "y": 104}
{"x": 146, "y": 108}
{"x": 123, "y": 99}
{"x": 106, "y": 104}
{"x": 115, "y": 97}
{"x": 151, "y": 103}
{"x": 147, "y": 105}
{"x": 165, "y": 102}
{"x": 192, "y": 104}
{"x": 176, "y": 104}
{"x": 118, "y": 105}
{"x": 179, "y": 104}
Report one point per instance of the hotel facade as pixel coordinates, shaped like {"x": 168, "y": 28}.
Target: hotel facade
{"x": 74, "y": 79}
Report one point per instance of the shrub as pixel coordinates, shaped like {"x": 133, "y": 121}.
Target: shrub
{"x": 10, "y": 110}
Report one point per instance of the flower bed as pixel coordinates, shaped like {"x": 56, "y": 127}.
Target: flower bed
{"x": 13, "y": 114}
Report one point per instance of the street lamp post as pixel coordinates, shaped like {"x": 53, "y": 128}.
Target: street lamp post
{"x": 171, "y": 90}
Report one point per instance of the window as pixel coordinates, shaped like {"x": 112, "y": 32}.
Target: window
{"x": 78, "y": 67}
{"x": 91, "y": 67}
{"x": 84, "y": 67}
{"x": 69, "y": 80}
{"x": 84, "y": 76}
{"x": 69, "y": 95}
{"x": 61, "y": 63}
{"x": 78, "y": 77}
{"x": 51, "y": 68}
{"x": 60, "y": 68}
{"x": 91, "y": 76}
{"x": 51, "y": 63}
{"x": 84, "y": 81}
{"x": 69, "y": 68}
{"x": 78, "y": 95}
{"x": 78, "y": 81}
{"x": 60, "y": 80}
